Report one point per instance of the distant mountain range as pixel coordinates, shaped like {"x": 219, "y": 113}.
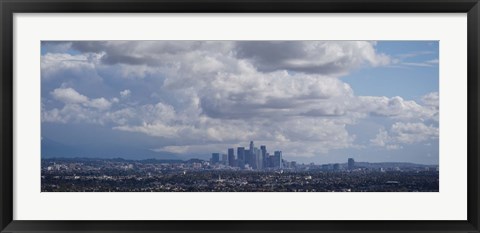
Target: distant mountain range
{"x": 386, "y": 165}
{"x": 54, "y": 149}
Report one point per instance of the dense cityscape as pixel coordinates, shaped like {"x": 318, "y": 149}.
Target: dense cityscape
{"x": 251, "y": 158}
{"x": 246, "y": 172}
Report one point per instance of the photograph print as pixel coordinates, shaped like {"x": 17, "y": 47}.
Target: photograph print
{"x": 239, "y": 116}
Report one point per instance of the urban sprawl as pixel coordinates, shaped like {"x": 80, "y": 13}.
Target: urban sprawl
{"x": 249, "y": 170}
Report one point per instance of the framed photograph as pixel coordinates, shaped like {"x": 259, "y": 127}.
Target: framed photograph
{"x": 256, "y": 116}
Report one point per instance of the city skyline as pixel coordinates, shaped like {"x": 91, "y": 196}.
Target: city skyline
{"x": 316, "y": 101}
{"x": 251, "y": 158}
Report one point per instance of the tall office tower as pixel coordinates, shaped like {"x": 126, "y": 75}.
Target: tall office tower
{"x": 263, "y": 149}
{"x": 225, "y": 159}
{"x": 351, "y": 163}
{"x": 241, "y": 153}
{"x": 231, "y": 157}
{"x": 253, "y": 158}
{"x": 268, "y": 161}
{"x": 251, "y": 146}
{"x": 277, "y": 159}
{"x": 215, "y": 158}
{"x": 240, "y": 163}
{"x": 248, "y": 157}
{"x": 259, "y": 158}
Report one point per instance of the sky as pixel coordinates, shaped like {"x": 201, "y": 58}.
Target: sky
{"x": 316, "y": 101}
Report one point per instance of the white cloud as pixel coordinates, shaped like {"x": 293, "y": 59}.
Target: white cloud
{"x": 197, "y": 57}
{"x": 76, "y": 107}
{"x": 320, "y": 57}
{"x": 431, "y": 99}
{"x": 292, "y": 135}
{"x": 272, "y": 95}
{"x": 69, "y": 96}
{"x": 125, "y": 93}
{"x": 214, "y": 94}
{"x": 409, "y": 133}
{"x": 63, "y": 65}
{"x": 381, "y": 139}
{"x": 69, "y": 113}
{"x": 100, "y": 103}
{"x": 402, "y": 133}
{"x": 157, "y": 130}
{"x": 296, "y": 116}
{"x": 396, "y": 107}
{"x": 418, "y": 64}
{"x": 405, "y": 60}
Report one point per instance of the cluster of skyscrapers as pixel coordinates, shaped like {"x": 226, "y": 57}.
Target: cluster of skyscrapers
{"x": 251, "y": 158}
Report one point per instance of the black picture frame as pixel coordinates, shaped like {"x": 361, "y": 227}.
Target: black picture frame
{"x": 9, "y": 7}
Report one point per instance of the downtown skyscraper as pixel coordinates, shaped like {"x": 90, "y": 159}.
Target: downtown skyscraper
{"x": 252, "y": 158}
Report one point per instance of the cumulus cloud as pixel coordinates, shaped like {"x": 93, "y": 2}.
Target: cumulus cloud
{"x": 397, "y": 108}
{"x": 69, "y": 96}
{"x": 150, "y": 53}
{"x": 69, "y": 113}
{"x": 272, "y": 95}
{"x": 431, "y": 99}
{"x": 319, "y": 57}
{"x": 64, "y": 65}
{"x": 402, "y": 133}
{"x": 413, "y": 132}
{"x": 299, "y": 138}
{"x": 77, "y": 107}
{"x": 209, "y": 94}
{"x": 125, "y": 93}
{"x": 304, "y": 125}
{"x": 99, "y": 103}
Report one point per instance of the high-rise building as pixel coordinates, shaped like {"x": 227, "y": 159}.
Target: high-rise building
{"x": 241, "y": 157}
{"x": 215, "y": 158}
{"x": 263, "y": 149}
{"x": 249, "y": 158}
{"x": 269, "y": 161}
{"x": 351, "y": 163}
{"x": 241, "y": 153}
{"x": 258, "y": 159}
{"x": 231, "y": 157}
{"x": 240, "y": 163}
{"x": 277, "y": 159}
{"x": 252, "y": 158}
